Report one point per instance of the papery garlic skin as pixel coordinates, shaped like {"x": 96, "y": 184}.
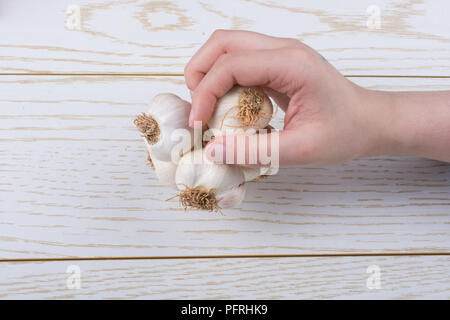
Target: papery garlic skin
{"x": 171, "y": 113}
{"x": 251, "y": 173}
{"x": 271, "y": 171}
{"x": 196, "y": 171}
{"x": 226, "y": 110}
{"x": 165, "y": 172}
{"x": 231, "y": 197}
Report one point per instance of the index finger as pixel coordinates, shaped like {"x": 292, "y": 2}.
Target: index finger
{"x": 249, "y": 68}
{"x": 228, "y": 41}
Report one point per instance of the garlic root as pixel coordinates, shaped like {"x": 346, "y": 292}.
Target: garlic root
{"x": 251, "y": 101}
{"x": 150, "y": 161}
{"x": 148, "y": 127}
{"x": 199, "y": 199}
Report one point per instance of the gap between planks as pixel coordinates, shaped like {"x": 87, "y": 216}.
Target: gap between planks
{"x": 325, "y": 255}
{"x": 18, "y": 260}
{"x": 146, "y": 74}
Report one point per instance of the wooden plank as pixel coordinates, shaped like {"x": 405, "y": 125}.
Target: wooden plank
{"x": 74, "y": 183}
{"x": 136, "y": 36}
{"x": 263, "y": 278}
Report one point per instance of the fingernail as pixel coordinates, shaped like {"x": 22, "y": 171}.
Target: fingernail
{"x": 215, "y": 152}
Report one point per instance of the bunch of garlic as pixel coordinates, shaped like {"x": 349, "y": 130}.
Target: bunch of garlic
{"x": 202, "y": 184}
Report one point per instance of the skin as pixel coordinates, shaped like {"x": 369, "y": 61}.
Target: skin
{"x": 328, "y": 119}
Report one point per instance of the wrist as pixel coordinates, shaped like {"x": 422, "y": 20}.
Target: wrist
{"x": 388, "y": 131}
{"x": 408, "y": 123}
{"x": 423, "y": 122}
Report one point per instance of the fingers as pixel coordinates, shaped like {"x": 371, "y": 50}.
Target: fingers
{"x": 228, "y": 41}
{"x": 278, "y": 148}
{"x": 250, "y": 68}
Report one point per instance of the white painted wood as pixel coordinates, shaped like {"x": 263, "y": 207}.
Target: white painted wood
{"x": 254, "y": 278}
{"x": 160, "y": 36}
{"x": 74, "y": 182}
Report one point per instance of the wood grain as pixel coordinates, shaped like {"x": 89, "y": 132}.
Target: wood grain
{"x": 74, "y": 183}
{"x": 137, "y": 36}
{"x": 74, "y": 180}
{"x": 290, "y": 278}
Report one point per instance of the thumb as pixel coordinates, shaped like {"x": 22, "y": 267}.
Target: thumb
{"x": 277, "y": 148}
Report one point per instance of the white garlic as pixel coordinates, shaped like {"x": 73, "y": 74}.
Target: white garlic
{"x": 167, "y": 113}
{"x": 271, "y": 171}
{"x": 207, "y": 185}
{"x": 251, "y": 173}
{"x": 232, "y": 197}
{"x": 241, "y": 108}
{"x": 165, "y": 172}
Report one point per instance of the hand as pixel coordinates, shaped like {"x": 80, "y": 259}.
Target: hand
{"x": 328, "y": 119}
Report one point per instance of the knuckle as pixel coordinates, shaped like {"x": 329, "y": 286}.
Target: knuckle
{"x": 218, "y": 33}
{"x": 187, "y": 68}
{"x": 188, "y": 77}
{"x": 290, "y": 42}
{"x": 189, "y": 84}
{"x": 223, "y": 59}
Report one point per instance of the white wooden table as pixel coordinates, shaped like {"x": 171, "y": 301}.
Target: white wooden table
{"x": 77, "y": 197}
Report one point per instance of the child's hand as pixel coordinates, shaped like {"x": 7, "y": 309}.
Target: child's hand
{"x": 328, "y": 119}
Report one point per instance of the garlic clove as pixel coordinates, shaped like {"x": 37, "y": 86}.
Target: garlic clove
{"x": 232, "y": 197}
{"x": 166, "y": 114}
{"x": 165, "y": 172}
{"x": 201, "y": 181}
{"x": 241, "y": 108}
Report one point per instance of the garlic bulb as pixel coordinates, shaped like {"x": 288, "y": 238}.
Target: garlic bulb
{"x": 241, "y": 108}
{"x": 207, "y": 185}
{"x": 166, "y": 114}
